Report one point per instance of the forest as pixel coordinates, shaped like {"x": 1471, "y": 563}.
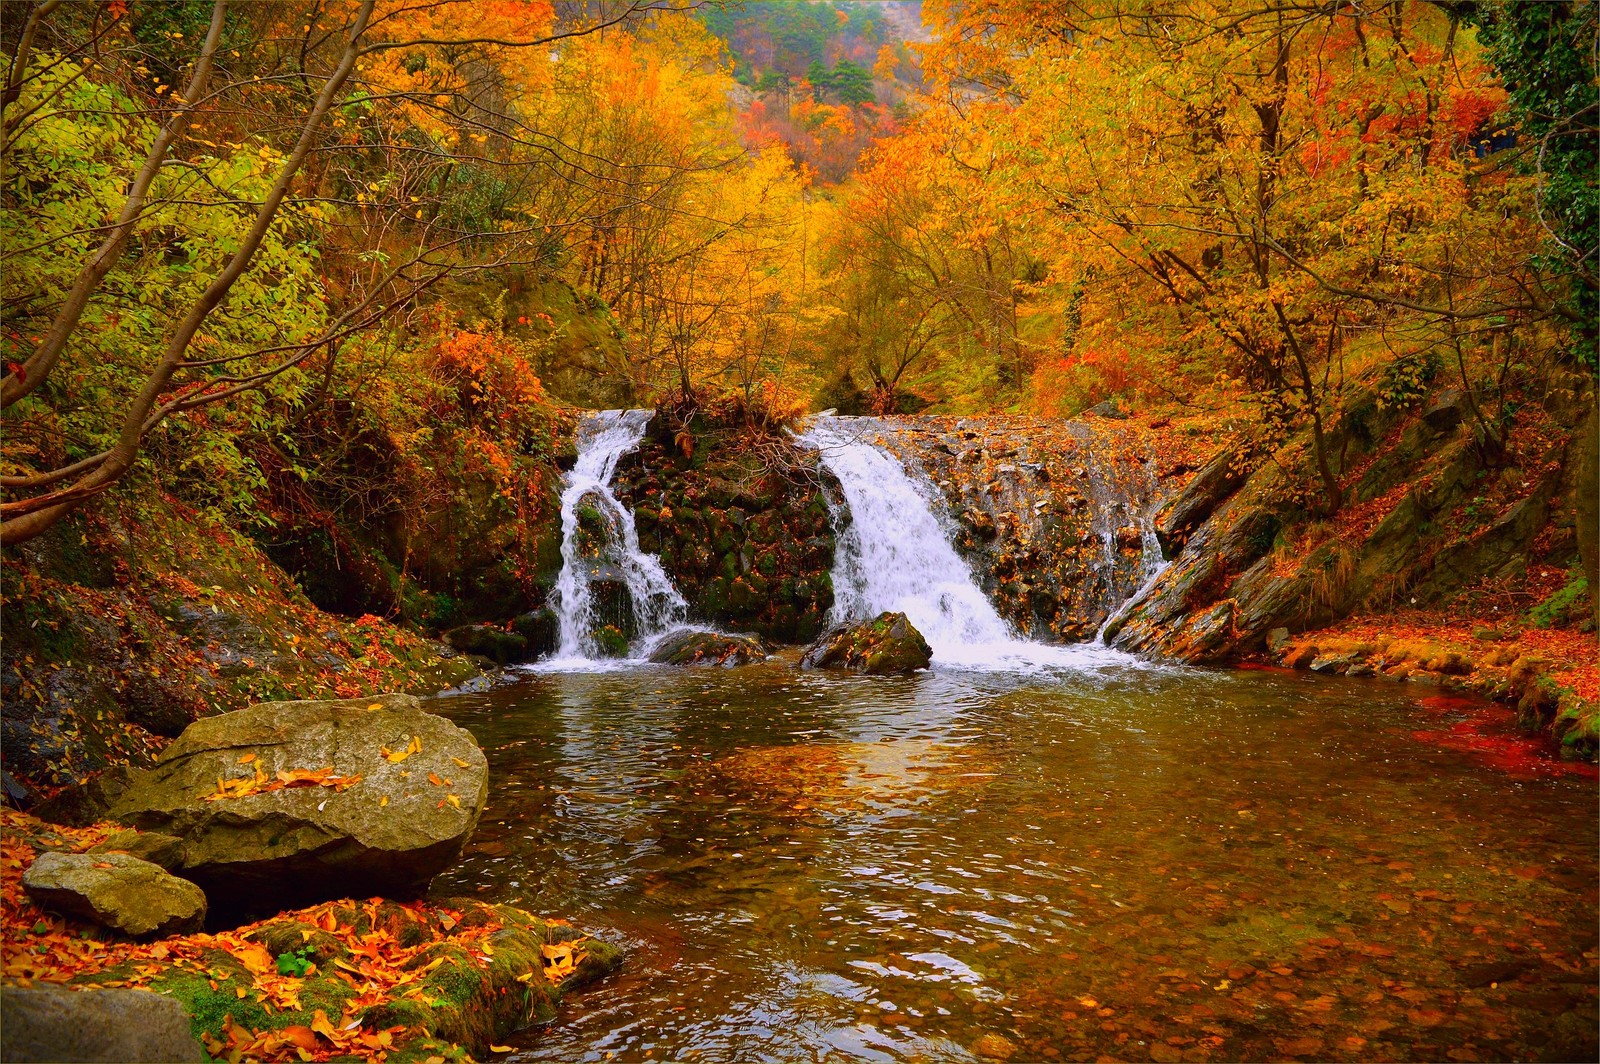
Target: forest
{"x": 1187, "y": 338}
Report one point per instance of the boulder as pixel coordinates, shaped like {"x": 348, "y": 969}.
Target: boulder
{"x": 541, "y": 628}
{"x": 290, "y": 803}
{"x": 152, "y": 846}
{"x": 690, "y": 647}
{"x": 116, "y": 890}
{"x": 488, "y": 641}
{"x": 51, "y": 1023}
{"x": 885, "y": 645}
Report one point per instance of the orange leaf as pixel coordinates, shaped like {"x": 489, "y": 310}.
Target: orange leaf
{"x": 304, "y": 1037}
{"x": 247, "y": 758}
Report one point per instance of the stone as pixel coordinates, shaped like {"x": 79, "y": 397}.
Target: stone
{"x": 1277, "y": 640}
{"x": 690, "y": 647}
{"x": 117, "y": 891}
{"x": 488, "y": 641}
{"x": 886, "y": 645}
{"x": 994, "y": 1047}
{"x": 541, "y": 628}
{"x": 52, "y": 1023}
{"x": 389, "y": 833}
{"x": 152, "y": 846}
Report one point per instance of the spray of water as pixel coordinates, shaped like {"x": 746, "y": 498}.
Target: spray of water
{"x": 603, "y": 439}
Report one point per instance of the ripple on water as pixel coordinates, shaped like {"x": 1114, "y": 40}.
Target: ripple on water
{"x": 1230, "y": 866}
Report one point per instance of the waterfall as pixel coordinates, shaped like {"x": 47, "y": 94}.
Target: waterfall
{"x": 892, "y": 554}
{"x": 603, "y": 439}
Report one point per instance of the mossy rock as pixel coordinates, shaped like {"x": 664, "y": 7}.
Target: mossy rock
{"x": 886, "y": 645}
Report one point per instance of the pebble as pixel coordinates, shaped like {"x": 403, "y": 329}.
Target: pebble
{"x": 995, "y": 1047}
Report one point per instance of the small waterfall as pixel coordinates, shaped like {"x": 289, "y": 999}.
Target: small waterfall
{"x": 893, "y": 554}
{"x": 603, "y": 439}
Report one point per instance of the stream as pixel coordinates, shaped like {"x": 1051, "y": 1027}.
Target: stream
{"x": 1030, "y": 851}
{"x": 1136, "y": 862}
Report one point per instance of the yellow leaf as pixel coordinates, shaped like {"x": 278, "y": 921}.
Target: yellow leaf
{"x": 453, "y": 800}
{"x": 499, "y": 1049}
{"x": 375, "y": 705}
{"x": 416, "y": 745}
{"x": 239, "y": 991}
{"x": 383, "y": 801}
{"x": 460, "y": 762}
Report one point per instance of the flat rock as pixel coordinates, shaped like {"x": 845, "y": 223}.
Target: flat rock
{"x": 116, "y": 890}
{"x": 690, "y": 647}
{"x": 52, "y": 1023}
{"x": 886, "y": 645}
{"x": 377, "y": 824}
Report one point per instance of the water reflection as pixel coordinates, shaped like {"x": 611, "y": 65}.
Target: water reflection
{"x": 1141, "y": 864}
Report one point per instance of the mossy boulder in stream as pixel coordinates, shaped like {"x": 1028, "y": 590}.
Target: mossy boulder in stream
{"x": 690, "y": 647}
{"x": 886, "y": 645}
{"x": 293, "y": 802}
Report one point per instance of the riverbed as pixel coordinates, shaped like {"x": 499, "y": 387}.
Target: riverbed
{"x": 1112, "y": 859}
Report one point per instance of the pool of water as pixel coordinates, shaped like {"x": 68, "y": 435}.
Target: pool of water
{"x": 1113, "y": 861}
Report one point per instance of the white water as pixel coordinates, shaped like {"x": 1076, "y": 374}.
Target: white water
{"x": 894, "y": 555}
{"x": 603, "y": 439}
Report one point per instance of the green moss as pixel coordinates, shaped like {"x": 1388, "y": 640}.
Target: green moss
{"x": 1564, "y": 605}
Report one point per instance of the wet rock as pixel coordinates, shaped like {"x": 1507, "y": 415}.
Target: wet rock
{"x": 886, "y": 645}
{"x": 52, "y": 1023}
{"x": 1444, "y": 411}
{"x": 689, "y": 647}
{"x": 388, "y": 833}
{"x": 117, "y": 891}
{"x": 488, "y": 641}
{"x": 541, "y": 628}
{"x": 1277, "y": 639}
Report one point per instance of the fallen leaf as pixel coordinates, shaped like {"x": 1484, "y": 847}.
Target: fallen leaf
{"x": 246, "y": 759}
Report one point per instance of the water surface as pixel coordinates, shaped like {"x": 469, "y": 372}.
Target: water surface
{"x": 1114, "y": 861}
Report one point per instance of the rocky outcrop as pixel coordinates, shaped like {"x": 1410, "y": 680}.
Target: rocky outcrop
{"x": 691, "y": 647}
{"x": 292, "y": 802}
{"x": 53, "y": 1023}
{"x": 1426, "y": 515}
{"x": 116, "y": 891}
{"x": 744, "y": 531}
{"x": 884, "y": 646}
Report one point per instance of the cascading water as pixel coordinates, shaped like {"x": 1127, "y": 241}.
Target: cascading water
{"x": 603, "y": 439}
{"x": 894, "y": 555}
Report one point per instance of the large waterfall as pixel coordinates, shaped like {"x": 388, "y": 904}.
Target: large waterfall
{"x": 892, "y": 554}
{"x": 603, "y": 439}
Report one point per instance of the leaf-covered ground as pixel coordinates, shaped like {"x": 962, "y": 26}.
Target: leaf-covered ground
{"x": 369, "y": 979}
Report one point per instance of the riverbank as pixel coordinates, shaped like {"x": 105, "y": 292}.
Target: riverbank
{"x": 1551, "y": 677}
{"x": 369, "y": 978}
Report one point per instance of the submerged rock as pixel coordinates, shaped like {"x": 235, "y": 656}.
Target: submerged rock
{"x": 116, "y": 890}
{"x": 689, "y": 647}
{"x": 322, "y": 800}
{"x": 47, "y": 1022}
{"x": 886, "y": 645}
{"x": 541, "y": 628}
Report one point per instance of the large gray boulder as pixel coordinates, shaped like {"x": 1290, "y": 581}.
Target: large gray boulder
{"x": 52, "y": 1023}
{"x": 352, "y": 798}
{"x": 116, "y": 890}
